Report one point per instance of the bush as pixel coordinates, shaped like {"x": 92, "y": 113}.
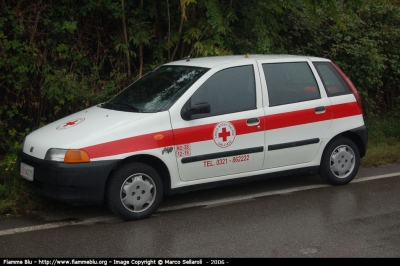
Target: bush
{"x": 384, "y": 142}
{"x": 368, "y": 50}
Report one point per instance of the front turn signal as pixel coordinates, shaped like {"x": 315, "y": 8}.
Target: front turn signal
{"x": 76, "y": 156}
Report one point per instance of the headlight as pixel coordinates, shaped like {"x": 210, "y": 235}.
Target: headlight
{"x": 67, "y": 156}
{"x": 55, "y": 155}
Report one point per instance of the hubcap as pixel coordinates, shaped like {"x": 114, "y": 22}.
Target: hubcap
{"x": 138, "y": 192}
{"x": 342, "y": 161}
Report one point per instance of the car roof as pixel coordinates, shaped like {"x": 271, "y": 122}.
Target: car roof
{"x": 214, "y": 61}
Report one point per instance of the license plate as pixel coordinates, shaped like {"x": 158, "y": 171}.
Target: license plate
{"x": 27, "y": 171}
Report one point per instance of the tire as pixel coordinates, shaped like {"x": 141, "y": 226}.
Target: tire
{"x": 135, "y": 191}
{"x": 340, "y": 162}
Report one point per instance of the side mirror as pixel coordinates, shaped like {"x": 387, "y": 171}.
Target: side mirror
{"x": 198, "y": 108}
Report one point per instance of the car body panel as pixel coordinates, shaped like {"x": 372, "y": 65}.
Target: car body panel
{"x": 267, "y": 138}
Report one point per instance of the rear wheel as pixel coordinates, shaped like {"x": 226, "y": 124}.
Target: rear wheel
{"x": 340, "y": 162}
{"x": 135, "y": 191}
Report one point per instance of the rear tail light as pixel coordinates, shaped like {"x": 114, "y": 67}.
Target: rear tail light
{"x": 350, "y": 84}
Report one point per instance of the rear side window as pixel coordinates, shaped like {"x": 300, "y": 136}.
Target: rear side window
{"x": 227, "y": 91}
{"x": 333, "y": 82}
{"x": 290, "y": 83}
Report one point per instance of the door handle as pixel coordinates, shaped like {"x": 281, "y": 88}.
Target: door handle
{"x": 253, "y": 121}
{"x": 320, "y": 109}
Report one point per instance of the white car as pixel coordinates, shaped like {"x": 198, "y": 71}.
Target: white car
{"x": 198, "y": 123}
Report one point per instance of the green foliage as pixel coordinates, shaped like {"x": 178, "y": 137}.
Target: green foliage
{"x": 384, "y": 142}
{"x": 12, "y": 191}
{"x": 367, "y": 51}
{"x": 383, "y": 130}
{"x": 336, "y": 9}
{"x": 16, "y": 198}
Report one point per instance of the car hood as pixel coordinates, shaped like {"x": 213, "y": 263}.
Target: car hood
{"x": 77, "y": 130}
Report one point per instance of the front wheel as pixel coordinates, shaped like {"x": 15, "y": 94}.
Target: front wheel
{"x": 135, "y": 191}
{"x": 340, "y": 162}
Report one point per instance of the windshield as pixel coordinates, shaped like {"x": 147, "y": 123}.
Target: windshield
{"x": 157, "y": 90}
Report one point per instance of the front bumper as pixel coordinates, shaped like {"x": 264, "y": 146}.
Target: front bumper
{"x": 77, "y": 184}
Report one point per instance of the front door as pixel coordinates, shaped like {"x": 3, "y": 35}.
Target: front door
{"x": 229, "y": 139}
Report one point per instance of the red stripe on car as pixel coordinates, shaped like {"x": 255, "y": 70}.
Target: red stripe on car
{"x": 205, "y": 132}
{"x": 132, "y": 144}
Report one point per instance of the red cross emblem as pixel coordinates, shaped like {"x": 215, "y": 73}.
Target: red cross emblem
{"x": 224, "y": 134}
{"x": 70, "y": 123}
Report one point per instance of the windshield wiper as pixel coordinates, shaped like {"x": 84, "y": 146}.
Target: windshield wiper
{"x": 113, "y": 105}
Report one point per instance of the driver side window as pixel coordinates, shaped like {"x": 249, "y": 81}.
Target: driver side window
{"x": 227, "y": 91}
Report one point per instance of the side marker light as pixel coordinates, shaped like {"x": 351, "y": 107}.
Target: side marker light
{"x": 158, "y": 136}
{"x": 76, "y": 156}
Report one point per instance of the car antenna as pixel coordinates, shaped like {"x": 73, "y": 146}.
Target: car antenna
{"x": 198, "y": 40}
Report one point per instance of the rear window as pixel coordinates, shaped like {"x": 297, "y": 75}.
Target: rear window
{"x": 290, "y": 83}
{"x": 333, "y": 82}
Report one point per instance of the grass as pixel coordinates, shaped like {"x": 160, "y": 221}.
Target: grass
{"x": 378, "y": 155}
{"x": 383, "y": 142}
{"x": 15, "y": 199}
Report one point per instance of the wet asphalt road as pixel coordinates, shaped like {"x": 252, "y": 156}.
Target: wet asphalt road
{"x": 296, "y": 216}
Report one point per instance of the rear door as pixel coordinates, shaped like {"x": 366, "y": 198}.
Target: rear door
{"x": 229, "y": 139}
{"x": 298, "y": 112}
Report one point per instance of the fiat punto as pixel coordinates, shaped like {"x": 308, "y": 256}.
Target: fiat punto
{"x": 198, "y": 123}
